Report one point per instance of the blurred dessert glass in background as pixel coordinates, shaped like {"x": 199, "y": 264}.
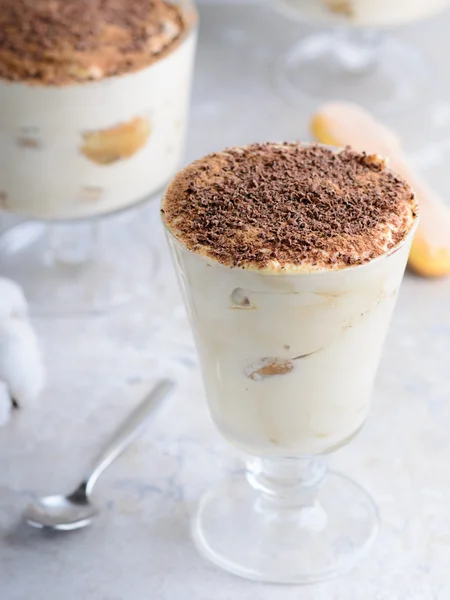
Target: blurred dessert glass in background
{"x": 94, "y": 100}
{"x": 353, "y": 60}
{"x": 365, "y": 12}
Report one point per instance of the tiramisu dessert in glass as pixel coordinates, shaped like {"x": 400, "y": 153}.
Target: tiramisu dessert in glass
{"x": 353, "y": 60}
{"x": 290, "y": 258}
{"x": 94, "y": 99}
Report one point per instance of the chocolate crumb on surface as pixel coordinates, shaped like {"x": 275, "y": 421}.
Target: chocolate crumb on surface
{"x": 283, "y": 206}
{"x": 59, "y": 42}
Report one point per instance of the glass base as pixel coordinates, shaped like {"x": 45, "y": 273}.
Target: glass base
{"x": 244, "y": 532}
{"x": 78, "y": 268}
{"x": 380, "y": 74}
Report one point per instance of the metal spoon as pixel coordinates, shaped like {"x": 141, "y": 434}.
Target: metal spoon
{"x": 76, "y": 510}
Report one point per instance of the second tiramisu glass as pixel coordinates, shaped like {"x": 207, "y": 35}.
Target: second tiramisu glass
{"x": 290, "y": 259}
{"x": 351, "y": 58}
{"x": 94, "y": 105}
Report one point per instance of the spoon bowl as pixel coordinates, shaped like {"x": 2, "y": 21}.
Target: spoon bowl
{"x": 76, "y": 510}
{"x": 60, "y": 512}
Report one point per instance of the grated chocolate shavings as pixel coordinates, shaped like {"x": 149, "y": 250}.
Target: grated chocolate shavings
{"x": 274, "y": 205}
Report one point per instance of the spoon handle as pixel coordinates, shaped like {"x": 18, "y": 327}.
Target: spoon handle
{"x": 128, "y": 431}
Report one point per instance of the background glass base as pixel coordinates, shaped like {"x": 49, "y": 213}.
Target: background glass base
{"x": 79, "y": 267}
{"x": 242, "y": 532}
{"x": 382, "y": 74}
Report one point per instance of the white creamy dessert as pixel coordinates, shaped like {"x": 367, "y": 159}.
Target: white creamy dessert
{"x": 290, "y": 259}
{"x": 93, "y": 120}
{"x": 365, "y": 12}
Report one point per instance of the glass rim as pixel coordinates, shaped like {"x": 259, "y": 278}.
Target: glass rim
{"x": 281, "y": 272}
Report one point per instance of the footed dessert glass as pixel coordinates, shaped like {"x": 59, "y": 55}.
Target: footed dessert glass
{"x": 76, "y": 157}
{"x": 288, "y": 362}
{"x": 353, "y": 58}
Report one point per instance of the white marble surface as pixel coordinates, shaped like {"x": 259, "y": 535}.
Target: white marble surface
{"x": 98, "y": 367}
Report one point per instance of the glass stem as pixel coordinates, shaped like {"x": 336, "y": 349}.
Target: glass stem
{"x": 73, "y": 244}
{"x": 287, "y": 482}
{"x": 356, "y": 50}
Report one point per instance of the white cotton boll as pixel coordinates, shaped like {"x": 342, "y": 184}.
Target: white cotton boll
{"x": 5, "y": 404}
{"x": 12, "y": 300}
{"x": 21, "y": 364}
{"x": 22, "y": 374}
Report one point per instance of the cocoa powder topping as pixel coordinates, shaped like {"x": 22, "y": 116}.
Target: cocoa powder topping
{"x": 287, "y": 205}
{"x": 58, "y": 42}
